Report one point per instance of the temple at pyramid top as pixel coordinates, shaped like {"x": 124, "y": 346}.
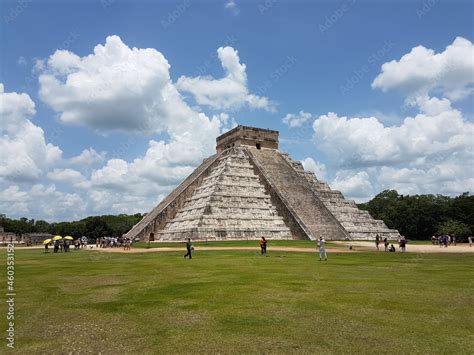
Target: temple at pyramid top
{"x": 249, "y": 190}
{"x": 248, "y": 136}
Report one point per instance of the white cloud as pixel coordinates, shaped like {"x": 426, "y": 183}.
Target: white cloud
{"x": 232, "y": 6}
{"x": 449, "y": 177}
{"x": 230, "y": 92}
{"x": 429, "y": 153}
{"x": 318, "y": 168}
{"x": 24, "y": 153}
{"x": 115, "y": 88}
{"x": 21, "y": 61}
{"x": 41, "y": 202}
{"x": 296, "y": 120}
{"x": 422, "y": 70}
{"x": 66, "y": 175}
{"x": 356, "y": 185}
{"x": 436, "y": 132}
{"x": 88, "y": 157}
{"x": 118, "y": 88}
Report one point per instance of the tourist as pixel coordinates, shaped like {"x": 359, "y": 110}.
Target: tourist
{"x": 385, "y": 243}
{"x": 56, "y": 246}
{"x": 403, "y": 244}
{"x": 66, "y": 246}
{"x": 46, "y": 248}
{"x": 322, "y": 249}
{"x": 469, "y": 239}
{"x": 263, "y": 246}
{"x": 189, "y": 248}
{"x": 126, "y": 244}
{"x": 377, "y": 241}
{"x": 391, "y": 249}
{"x": 84, "y": 242}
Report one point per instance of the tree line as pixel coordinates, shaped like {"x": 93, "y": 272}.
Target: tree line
{"x": 422, "y": 216}
{"x": 415, "y": 217}
{"x": 92, "y": 227}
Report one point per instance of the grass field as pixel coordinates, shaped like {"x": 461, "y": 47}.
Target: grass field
{"x": 237, "y": 301}
{"x": 234, "y": 243}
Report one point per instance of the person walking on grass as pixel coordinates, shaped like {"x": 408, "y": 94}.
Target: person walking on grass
{"x": 322, "y": 249}
{"x": 403, "y": 244}
{"x": 469, "y": 239}
{"x": 377, "y": 241}
{"x": 189, "y": 248}
{"x": 263, "y": 246}
{"x": 385, "y": 243}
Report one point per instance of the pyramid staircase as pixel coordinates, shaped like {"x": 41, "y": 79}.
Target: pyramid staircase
{"x": 231, "y": 203}
{"x": 358, "y": 223}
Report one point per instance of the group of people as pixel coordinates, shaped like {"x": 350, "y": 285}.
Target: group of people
{"x": 389, "y": 247}
{"x": 63, "y": 245}
{"x": 113, "y": 242}
{"x": 444, "y": 240}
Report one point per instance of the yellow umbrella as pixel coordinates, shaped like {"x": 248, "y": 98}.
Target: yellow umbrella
{"x": 68, "y": 237}
{"x": 46, "y": 241}
{"x": 57, "y": 237}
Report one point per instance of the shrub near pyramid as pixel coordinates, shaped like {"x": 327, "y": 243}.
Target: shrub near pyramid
{"x": 249, "y": 190}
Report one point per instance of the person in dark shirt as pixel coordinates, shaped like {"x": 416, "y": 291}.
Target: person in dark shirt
{"x": 263, "y": 246}
{"x": 189, "y": 248}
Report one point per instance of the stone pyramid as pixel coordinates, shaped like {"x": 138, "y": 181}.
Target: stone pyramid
{"x": 249, "y": 190}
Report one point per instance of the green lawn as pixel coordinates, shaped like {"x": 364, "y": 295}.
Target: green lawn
{"x": 238, "y": 243}
{"x": 239, "y": 302}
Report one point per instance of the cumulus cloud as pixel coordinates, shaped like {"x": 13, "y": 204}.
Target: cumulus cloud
{"x": 88, "y": 157}
{"x": 232, "y": 6}
{"x": 437, "y": 131}
{"x": 316, "y": 167}
{"x": 431, "y": 152}
{"x": 24, "y": 153}
{"x": 115, "y": 88}
{"x": 228, "y": 93}
{"x": 41, "y": 202}
{"x": 449, "y": 177}
{"x": 66, "y": 175}
{"x": 296, "y": 120}
{"x": 422, "y": 71}
{"x": 356, "y": 185}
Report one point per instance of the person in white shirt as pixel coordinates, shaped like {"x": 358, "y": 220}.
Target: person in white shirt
{"x": 322, "y": 249}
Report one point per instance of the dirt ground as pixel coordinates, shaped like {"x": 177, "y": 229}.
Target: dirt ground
{"x": 416, "y": 248}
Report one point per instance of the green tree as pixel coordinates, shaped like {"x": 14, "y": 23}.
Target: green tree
{"x": 455, "y": 228}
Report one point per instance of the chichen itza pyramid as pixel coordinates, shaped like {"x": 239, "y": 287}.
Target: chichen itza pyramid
{"x": 249, "y": 189}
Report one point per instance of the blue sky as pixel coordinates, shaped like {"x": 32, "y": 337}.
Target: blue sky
{"x": 363, "y": 128}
